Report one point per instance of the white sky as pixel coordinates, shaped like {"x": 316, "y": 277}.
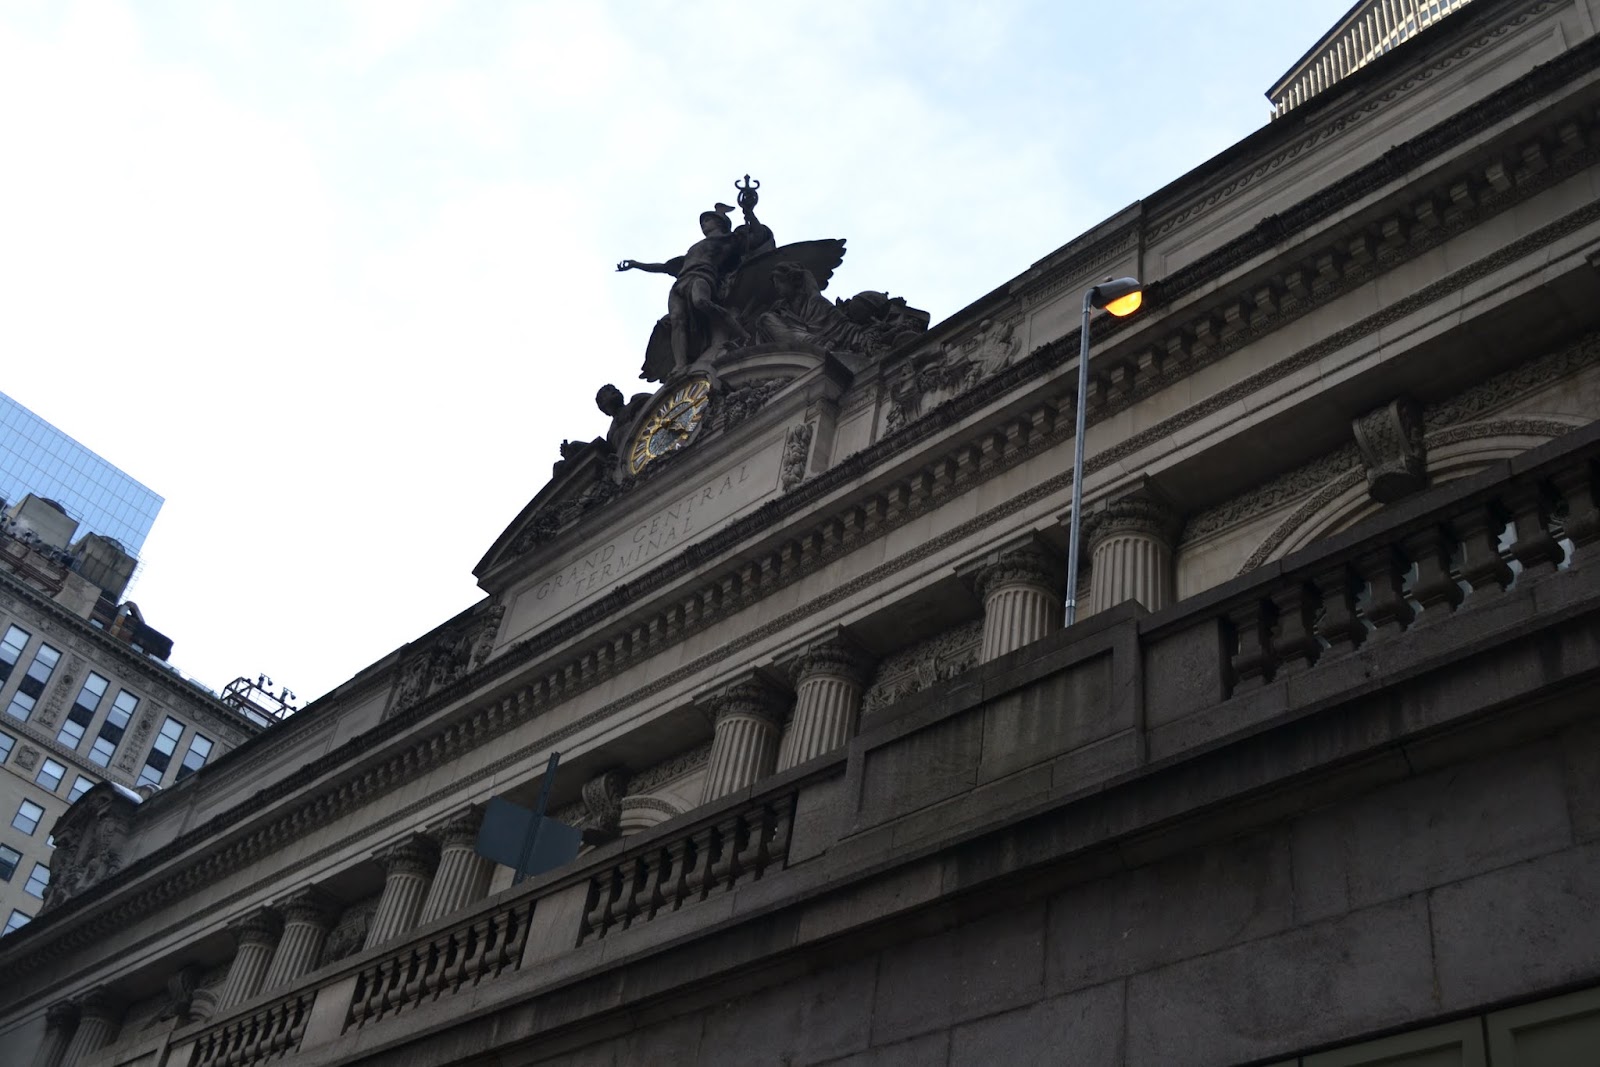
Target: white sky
{"x": 336, "y": 278}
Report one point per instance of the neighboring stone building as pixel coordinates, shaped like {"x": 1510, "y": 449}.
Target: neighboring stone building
{"x": 86, "y": 699}
{"x": 1316, "y": 782}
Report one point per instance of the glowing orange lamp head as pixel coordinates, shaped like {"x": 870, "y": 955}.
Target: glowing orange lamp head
{"x": 1119, "y": 296}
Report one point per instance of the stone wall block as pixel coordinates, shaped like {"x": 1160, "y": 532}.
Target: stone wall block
{"x": 1519, "y": 930}
{"x": 1442, "y": 826}
{"x": 1271, "y": 997}
{"x": 988, "y": 965}
{"x": 1084, "y": 1027}
{"x": 1160, "y": 914}
{"x": 1038, "y": 722}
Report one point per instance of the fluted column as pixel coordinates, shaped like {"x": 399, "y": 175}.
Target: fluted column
{"x": 1022, "y": 600}
{"x": 748, "y": 717}
{"x": 98, "y": 1016}
{"x": 829, "y": 679}
{"x": 463, "y": 876}
{"x": 1131, "y": 546}
{"x": 60, "y": 1019}
{"x": 307, "y": 917}
{"x": 256, "y": 935}
{"x": 408, "y": 868}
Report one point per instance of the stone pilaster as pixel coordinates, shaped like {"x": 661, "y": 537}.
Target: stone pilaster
{"x": 308, "y": 915}
{"x": 98, "y": 1017}
{"x": 463, "y": 876}
{"x": 829, "y": 679}
{"x": 256, "y": 936}
{"x": 748, "y": 717}
{"x": 1131, "y": 541}
{"x": 408, "y": 868}
{"x": 60, "y": 1020}
{"x": 1022, "y": 599}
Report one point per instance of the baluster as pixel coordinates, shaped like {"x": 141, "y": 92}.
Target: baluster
{"x": 1338, "y": 624}
{"x": 481, "y": 950}
{"x": 697, "y": 883}
{"x": 523, "y": 917}
{"x": 675, "y": 880}
{"x": 1482, "y": 566}
{"x": 1387, "y": 609}
{"x": 277, "y": 1029}
{"x": 592, "y": 911}
{"x": 389, "y": 984}
{"x": 1581, "y": 524}
{"x": 442, "y": 952}
{"x": 359, "y": 1006}
{"x": 1435, "y": 588}
{"x": 782, "y": 829}
{"x": 1533, "y": 546}
{"x": 1295, "y": 647}
{"x": 639, "y": 899}
{"x": 752, "y": 853}
{"x": 725, "y": 867}
{"x": 461, "y": 951}
{"x": 499, "y": 938}
{"x": 1252, "y": 663}
{"x": 422, "y": 964}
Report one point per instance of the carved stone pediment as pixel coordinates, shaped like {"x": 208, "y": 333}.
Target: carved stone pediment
{"x": 91, "y": 839}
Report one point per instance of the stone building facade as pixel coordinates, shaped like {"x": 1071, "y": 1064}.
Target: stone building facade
{"x": 80, "y": 705}
{"x": 1313, "y": 781}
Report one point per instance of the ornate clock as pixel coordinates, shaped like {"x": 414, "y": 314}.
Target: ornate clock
{"x": 671, "y": 424}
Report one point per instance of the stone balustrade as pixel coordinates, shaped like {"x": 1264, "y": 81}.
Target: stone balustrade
{"x": 1473, "y": 542}
{"x": 463, "y": 955}
{"x": 739, "y": 846}
{"x": 269, "y": 1032}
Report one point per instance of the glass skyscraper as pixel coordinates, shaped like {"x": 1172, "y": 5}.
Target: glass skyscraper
{"x": 37, "y": 458}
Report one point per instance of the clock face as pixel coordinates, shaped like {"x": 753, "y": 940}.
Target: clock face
{"x": 671, "y": 424}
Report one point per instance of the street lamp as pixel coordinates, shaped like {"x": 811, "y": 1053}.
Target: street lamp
{"x": 1118, "y": 296}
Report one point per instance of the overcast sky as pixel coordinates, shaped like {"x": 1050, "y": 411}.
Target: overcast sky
{"x": 336, "y": 278}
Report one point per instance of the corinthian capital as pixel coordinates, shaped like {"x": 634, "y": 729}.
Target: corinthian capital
{"x": 834, "y": 655}
{"x": 1143, "y": 510}
{"x": 1031, "y": 565}
{"x": 413, "y": 855}
{"x": 751, "y": 696}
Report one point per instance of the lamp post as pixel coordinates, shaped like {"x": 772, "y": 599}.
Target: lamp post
{"x": 1119, "y": 296}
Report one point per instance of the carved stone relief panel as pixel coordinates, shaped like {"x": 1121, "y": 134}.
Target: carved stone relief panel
{"x": 913, "y": 669}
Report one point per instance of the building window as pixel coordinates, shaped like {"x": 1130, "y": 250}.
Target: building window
{"x": 195, "y": 758}
{"x": 37, "y": 881}
{"x": 33, "y": 683}
{"x": 79, "y": 787}
{"x": 155, "y": 765}
{"x": 18, "y": 918}
{"x": 9, "y": 858}
{"x": 105, "y": 746}
{"x": 50, "y": 775}
{"x": 6, "y": 743}
{"x": 11, "y": 650}
{"x": 83, "y": 709}
{"x": 27, "y": 817}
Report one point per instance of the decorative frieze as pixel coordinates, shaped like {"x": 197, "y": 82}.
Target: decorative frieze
{"x": 927, "y": 663}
